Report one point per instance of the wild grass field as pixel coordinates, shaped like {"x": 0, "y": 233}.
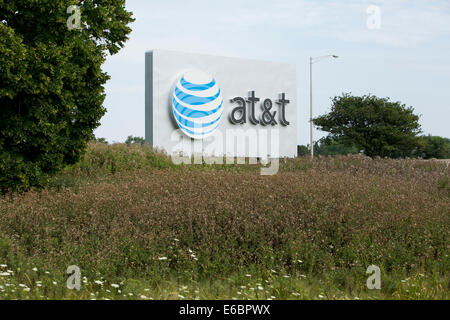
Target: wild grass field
{"x": 140, "y": 227}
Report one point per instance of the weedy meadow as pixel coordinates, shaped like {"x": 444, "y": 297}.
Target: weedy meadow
{"x": 140, "y": 227}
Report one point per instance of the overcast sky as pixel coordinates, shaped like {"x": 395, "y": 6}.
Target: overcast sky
{"x": 407, "y": 58}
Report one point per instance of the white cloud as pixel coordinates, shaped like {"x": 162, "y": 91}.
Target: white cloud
{"x": 403, "y": 23}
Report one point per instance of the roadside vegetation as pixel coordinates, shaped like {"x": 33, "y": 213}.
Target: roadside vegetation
{"x": 140, "y": 227}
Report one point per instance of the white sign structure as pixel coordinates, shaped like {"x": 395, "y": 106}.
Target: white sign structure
{"x": 220, "y": 106}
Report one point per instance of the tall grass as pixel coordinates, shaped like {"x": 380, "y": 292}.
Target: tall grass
{"x": 128, "y": 216}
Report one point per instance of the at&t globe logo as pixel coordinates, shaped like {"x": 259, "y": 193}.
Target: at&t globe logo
{"x": 197, "y": 104}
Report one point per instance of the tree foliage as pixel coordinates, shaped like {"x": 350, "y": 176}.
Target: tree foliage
{"x": 433, "y": 147}
{"x": 374, "y": 125}
{"x": 100, "y": 140}
{"x": 303, "y": 150}
{"x": 327, "y": 147}
{"x": 135, "y": 140}
{"x": 51, "y": 83}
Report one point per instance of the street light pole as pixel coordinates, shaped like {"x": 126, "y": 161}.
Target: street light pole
{"x": 311, "y": 61}
{"x": 311, "y": 107}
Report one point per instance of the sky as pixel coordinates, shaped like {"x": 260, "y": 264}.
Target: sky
{"x": 390, "y": 48}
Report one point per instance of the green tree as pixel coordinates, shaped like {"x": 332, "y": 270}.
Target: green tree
{"x": 433, "y": 147}
{"x": 101, "y": 140}
{"x": 134, "y": 140}
{"x": 303, "y": 150}
{"x": 374, "y": 125}
{"x": 51, "y": 83}
{"x": 327, "y": 147}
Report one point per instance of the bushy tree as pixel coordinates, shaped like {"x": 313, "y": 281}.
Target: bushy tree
{"x": 327, "y": 147}
{"x": 134, "y": 140}
{"x": 303, "y": 150}
{"x": 374, "y": 125}
{"x": 51, "y": 82}
{"x": 433, "y": 147}
{"x": 100, "y": 140}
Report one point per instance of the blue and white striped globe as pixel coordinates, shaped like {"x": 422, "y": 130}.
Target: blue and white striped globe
{"x": 197, "y": 104}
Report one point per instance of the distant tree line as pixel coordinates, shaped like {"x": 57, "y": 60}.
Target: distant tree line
{"x": 131, "y": 140}
{"x": 135, "y": 140}
{"x": 325, "y": 147}
{"x": 430, "y": 147}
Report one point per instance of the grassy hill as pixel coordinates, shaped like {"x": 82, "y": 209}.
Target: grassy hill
{"x": 140, "y": 227}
